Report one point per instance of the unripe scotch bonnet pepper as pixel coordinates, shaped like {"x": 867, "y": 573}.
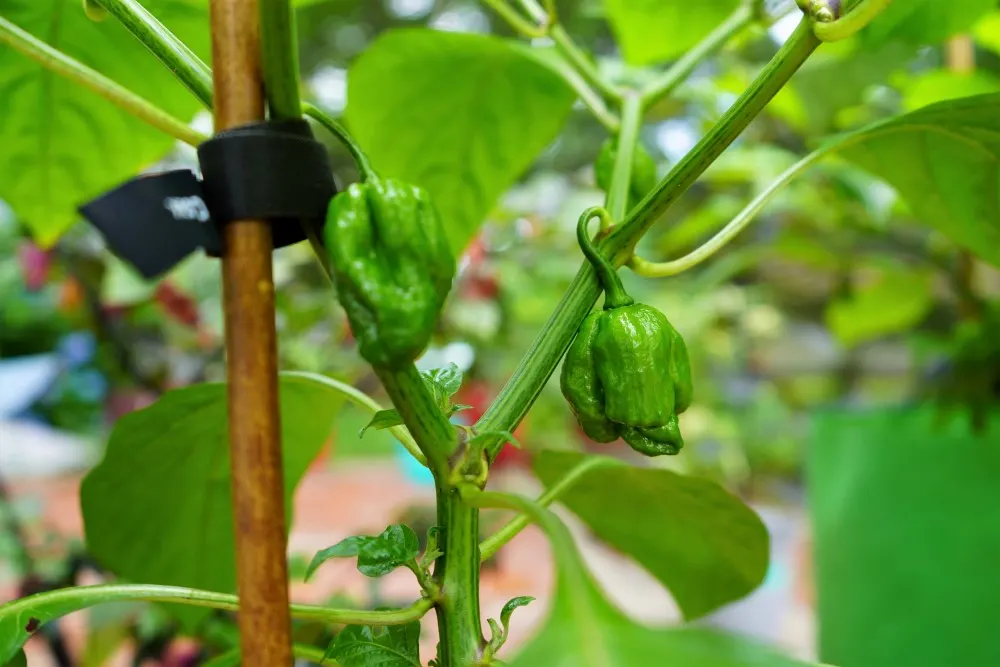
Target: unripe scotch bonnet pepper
{"x": 627, "y": 372}
{"x": 392, "y": 267}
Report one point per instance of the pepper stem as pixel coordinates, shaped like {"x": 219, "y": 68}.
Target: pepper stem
{"x": 615, "y": 295}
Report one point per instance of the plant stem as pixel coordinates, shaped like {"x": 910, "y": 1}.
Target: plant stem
{"x": 168, "y": 49}
{"x": 493, "y": 544}
{"x": 313, "y": 654}
{"x": 339, "y": 131}
{"x": 279, "y": 54}
{"x": 731, "y": 230}
{"x": 430, "y": 429}
{"x": 573, "y": 54}
{"x": 515, "y": 20}
{"x": 576, "y": 57}
{"x": 457, "y": 573}
{"x": 857, "y": 18}
{"x": 366, "y": 402}
{"x": 615, "y": 295}
{"x": 53, "y": 604}
{"x": 60, "y": 63}
{"x": 280, "y": 58}
{"x": 628, "y": 141}
{"x": 592, "y": 99}
{"x": 682, "y": 69}
{"x": 541, "y": 360}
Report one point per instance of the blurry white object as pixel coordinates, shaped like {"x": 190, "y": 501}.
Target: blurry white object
{"x": 28, "y": 449}
{"x": 23, "y": 380}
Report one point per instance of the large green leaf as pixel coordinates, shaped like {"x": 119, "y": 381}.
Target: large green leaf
{"x": 700, "y": 541}
{"x": 158, "y": 508}
{"x": 937, "y": 85}
{"x": 944, "y": 160}
{"x": 63, "y": 144}
{"x": 898, "y": 299}
{"x": 584, "y": 629}
{"x": 654, "y": 30}
{"x": 461, "y": 115}
{"x": 925, "y": 21}
{"x": 364, "y": 646}
{"x": 906, "y": 538}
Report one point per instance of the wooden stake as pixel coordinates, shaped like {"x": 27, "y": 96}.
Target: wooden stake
{"x": 251, "y": 345}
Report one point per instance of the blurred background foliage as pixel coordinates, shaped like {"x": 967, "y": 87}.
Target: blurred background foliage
{"x": 835, "y": 295}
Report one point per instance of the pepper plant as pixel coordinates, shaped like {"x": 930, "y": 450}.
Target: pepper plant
{"x": 389, "y": 245}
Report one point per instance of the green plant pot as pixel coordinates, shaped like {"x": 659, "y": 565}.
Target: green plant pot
{"x": 906, "y": 520}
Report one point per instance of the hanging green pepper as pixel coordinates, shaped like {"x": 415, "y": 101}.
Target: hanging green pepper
{"x": 392, "y": 267}
{"x": 643, "y": 171}
{"x": 627, "y": 372}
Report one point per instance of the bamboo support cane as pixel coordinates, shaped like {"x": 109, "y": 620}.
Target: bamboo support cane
{"x": 251, "y": 345}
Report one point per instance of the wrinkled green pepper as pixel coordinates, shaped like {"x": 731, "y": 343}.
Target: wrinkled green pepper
{"x": 643, "y": 171}
{"x": 627, "y": 372}
{"x": 392, "y": 267}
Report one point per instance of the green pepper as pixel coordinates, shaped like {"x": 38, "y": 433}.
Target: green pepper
{"x": 643, "y": 171}
{"x": 627, "y": 373}
{"x": 392, "y": 267}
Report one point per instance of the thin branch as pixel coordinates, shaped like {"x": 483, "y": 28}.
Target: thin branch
{"x": 731, "y": 230}
{"x": 58, "y": 62}
{"x": 164, "y": 45}
{"x": 682, "y": 69}
{"x": 628, "y": 142}
{"x": 280, "y": 58}
{"x": 492, "y": 544}
{"x": 364, "y": 401}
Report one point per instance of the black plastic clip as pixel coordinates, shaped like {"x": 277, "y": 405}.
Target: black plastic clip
{"x": 274, "y": 171}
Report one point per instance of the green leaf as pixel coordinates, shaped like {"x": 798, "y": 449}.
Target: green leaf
{"x": 396, "y": 546}
{"x": 653, "y": 30}
{"x": 920, "y": 22}
{"x": 346, "y": 548}
{"x": 447, "y": 379}
{"x": 62, "y": 144}
{"x": 939, "y": 85}
{"x": 461, "y": 115}
{"x": 508, "y": 609}
{"x": 944, "y": 160}
{"x": 382, "y": 420}
{"x": 696, "y": 538}
{"x": 364, "y": 646}
{"x": 898, "y": 299}
{"x": 584, "y": 629}
{"x": 17, "y": 661}
{"x": 486, "y": 438}
{"x": 158, "y": 508}
{"x": 377, "y": 555}
{"x": 902, "y": 510}
{"x": 443, "y": 383}
{"x": 987, "y": 31}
